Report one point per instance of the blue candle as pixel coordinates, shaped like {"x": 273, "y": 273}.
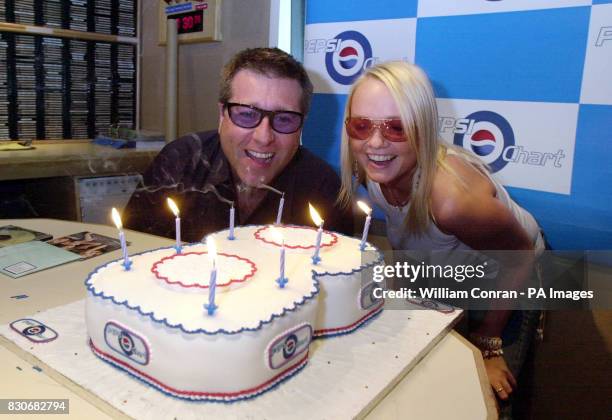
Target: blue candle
{"x": 366, "y": 227}
{"x": 177, "y": 221}
{"x": 212, "y": 288}
{"x": 281, "y": 204}
{"x": 319, "y": 222}
{"x": 212, "y": 282}
{"x": 281, "y": 280}
{"x": 315, "y": 258}
{"x": 231, "y": 236}
{"x": 117, "y": 219}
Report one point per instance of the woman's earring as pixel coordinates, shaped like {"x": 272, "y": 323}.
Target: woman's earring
{"x": 355, "y": 169}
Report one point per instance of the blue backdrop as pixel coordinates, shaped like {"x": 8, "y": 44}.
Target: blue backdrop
{"x": 544, "y": 66}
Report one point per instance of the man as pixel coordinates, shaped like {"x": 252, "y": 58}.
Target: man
{"x": 255, "y": 155}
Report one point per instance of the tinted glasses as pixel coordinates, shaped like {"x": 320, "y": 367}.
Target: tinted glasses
{"x": 363, "y": 128}
{"x": 248, "y": 116}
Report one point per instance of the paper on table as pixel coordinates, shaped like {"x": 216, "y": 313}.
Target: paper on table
{"x": 13, "y": 145}
{"x": 30, "y": 257}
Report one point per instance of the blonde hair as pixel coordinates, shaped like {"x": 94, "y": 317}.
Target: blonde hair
{"x": 413, "y": 94}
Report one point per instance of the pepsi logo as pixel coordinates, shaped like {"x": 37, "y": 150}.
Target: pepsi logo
{"x": 290, "y": 346}
{"x": 352, "y": 54}
{"x": 34, "y": 330}
{"x": 488, "y": 135}
{"x": 126, "y": 343}
{"x": 483, "y": 142}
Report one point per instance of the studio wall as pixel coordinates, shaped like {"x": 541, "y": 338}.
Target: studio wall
{"x": 199, "y": 64}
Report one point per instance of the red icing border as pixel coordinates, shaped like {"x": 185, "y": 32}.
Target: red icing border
{"x": 198, "y": 394}
{"x": 348, "y": 328}
{"x": 332, "y": 234}
{"x": 241, "y": 280}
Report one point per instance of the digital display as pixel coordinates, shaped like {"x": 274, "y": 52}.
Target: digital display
{"x": 189, "y": 22}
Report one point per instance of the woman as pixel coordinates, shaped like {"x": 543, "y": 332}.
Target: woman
{"x": 435, "y": 196}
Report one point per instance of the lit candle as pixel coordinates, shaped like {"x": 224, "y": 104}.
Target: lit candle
{"x": 212, "y": 283}
{"x": 319, "y": 222}
{"x": 175, "y": 210}
{"x": 117, "y": 219}
{"x": 231, "y": 236}
{"x": 278, "y": 237}
{"x": 279, "y": 215}
{"x": 367, "y": 210}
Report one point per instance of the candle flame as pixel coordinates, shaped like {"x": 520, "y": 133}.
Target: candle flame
{"x": 315, "y": 215}
{"x": 363, "y": 206}
{"x": 277, "y": 235}
{"x": 212, "y": 249}
{"x": 173, "y": 207}
{"x": 116, "y": 218}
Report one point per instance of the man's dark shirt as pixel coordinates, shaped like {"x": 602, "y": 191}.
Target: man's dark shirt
{"x": 193, "y": 169}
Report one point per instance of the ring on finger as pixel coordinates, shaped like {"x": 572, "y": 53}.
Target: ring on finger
{"x": 500, "y": 389}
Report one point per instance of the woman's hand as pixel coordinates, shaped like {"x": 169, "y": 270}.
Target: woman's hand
{"x": 501, "y": 379}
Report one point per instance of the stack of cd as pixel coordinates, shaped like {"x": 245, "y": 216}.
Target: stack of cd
{"x": 103, "y": 87}
{"x": 78, "y": 88}
{"x": 26, "y": 86}
{"x": 52, "y": 13}
{"x": 2, "y": 12}
{"x": 24, "y": 12}
{"x": 53, "y": 72}
{"x": 102, "y": 16}
{"x": 4, "y": 130}
{"x": 127, "y": 84}
{"x": 78, "y": 15}
{"x": 127, "y": 22}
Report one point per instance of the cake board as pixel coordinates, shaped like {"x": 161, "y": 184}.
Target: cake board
{"x": 345, "y": 377}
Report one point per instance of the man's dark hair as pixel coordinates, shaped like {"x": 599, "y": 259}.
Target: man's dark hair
{"x": 271, "y": 62}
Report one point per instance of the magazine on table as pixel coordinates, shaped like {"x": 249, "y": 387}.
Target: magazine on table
{"x": 86, "y": 244}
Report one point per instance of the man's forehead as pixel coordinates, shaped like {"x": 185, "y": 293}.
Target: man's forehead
{"x": 260, "y": 89}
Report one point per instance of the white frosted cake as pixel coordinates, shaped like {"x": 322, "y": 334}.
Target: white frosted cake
{"x": 151, "y": 321}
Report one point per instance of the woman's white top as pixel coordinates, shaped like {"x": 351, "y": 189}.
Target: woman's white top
{"x": 433, "y": 238}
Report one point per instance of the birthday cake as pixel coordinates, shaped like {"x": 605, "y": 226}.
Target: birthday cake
{"x": 152, "y": 320}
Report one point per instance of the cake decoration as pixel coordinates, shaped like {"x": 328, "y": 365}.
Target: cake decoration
{"x": 192, "y": 264}
{"x": 126, "y": 343}
{"x": 288, "y": 345}
{"x": 366, "y": 296}
{"x": 296, "y": 237}
{"x": 34, "y": 330}
{"x": 159, "y": 304}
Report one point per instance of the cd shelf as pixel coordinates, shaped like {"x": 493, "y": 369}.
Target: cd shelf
{"x": 67, "y": 68}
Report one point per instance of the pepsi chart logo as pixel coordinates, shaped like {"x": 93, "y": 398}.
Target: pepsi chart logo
{"x": 367, "y": 297}
{"x": 126, "y": 343}
{"x": 288, "y": 346}
{"x": 488, "y": 136}
{"x": 33, "y": 330}
{"x": 346, "y": 62}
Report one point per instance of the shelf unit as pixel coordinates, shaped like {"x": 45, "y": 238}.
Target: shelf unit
{"x": 68, "y": 68}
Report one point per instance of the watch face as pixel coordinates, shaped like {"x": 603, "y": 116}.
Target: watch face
{"x": 189, "y": 22}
